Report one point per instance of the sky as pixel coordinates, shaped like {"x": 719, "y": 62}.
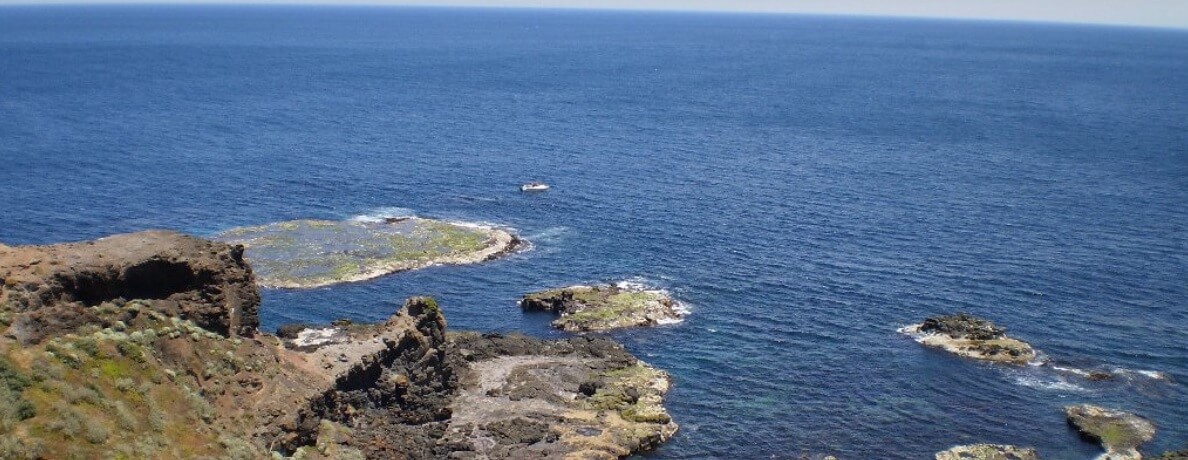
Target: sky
{"x": 1158, "y": 13}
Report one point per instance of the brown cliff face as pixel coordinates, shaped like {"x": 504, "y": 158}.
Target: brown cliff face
{"x": 48, "y": 290}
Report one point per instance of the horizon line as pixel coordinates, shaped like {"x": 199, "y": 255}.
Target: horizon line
{"x": 651, "y": 8}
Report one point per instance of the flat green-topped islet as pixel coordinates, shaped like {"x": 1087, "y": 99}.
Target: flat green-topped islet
{"x": 314, "y": 253}
{"x": 603, "y": 307}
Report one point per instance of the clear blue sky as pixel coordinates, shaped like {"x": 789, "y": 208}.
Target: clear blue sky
{"x": 1163, "y": 13}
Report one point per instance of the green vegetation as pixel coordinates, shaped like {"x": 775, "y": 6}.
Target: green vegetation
{"x": 590, "y": 308}
{"x": 107, "y": 394}
{"x": 13, "y": 406}
{"x": 629, "y": 390}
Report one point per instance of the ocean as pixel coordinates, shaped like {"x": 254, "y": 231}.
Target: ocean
{"x": 805, "y": 184}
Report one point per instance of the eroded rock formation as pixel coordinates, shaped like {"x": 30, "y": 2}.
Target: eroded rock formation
{"x": 468, "y": 395}
{"x": 48, "y": 290}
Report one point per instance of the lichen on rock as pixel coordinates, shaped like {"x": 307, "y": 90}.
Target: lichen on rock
{"x": 987, "y": 452}
{"x": 971, "y": 337}
{"x": 313, "y": 253}
{"x": 1120, "y": 433}
{"x": 603, "y": 307}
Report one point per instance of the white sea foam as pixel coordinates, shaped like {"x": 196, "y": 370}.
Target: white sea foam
{"x": 314, "y": 337}
{"x": 1116, "y": 371}
{"x": 682, "y": 310}
{"x": 641, "y": 284}
{"x": 379, "y": 214}
{"x": 1153, "y": 375}
{"x": 1049, "y": 384}
{"x": 1072, "y": 370}
{"x": 913, "y": 331}
{"x": 549, "y": 235}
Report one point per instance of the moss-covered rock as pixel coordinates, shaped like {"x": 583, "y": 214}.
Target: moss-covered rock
{"x": 1120, "y": 433}
{"x": 603, "y": 307}
{"x": 313, "y": 253}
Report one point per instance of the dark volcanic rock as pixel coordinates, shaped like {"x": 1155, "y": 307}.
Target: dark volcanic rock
{"x": 426, "y": 395}
{"x": 290, "y": 331}
{"x": 51, "y": 289}
{"x": 962, "y": 326}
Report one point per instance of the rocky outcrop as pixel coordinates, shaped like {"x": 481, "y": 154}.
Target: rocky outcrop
{"x": 987, "y": 452}
{"x": 578, "y": 398}
{"x": 603, "y": 307}
{"x": 426, "y": 395}
{"x": 1120, "y": 433}
{"x": 1174, "y": 455}
{"x": 314, "y": 253}
{"x": 48, "y": 290}
{"x": 971, "y": 337}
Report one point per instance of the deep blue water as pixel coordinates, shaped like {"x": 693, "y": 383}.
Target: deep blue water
{"x": 807, "y": 184}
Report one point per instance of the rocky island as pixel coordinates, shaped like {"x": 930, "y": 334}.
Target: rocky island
{"x": 1120, "y": 433}
{"x": 314, "y": 253}
{"x": 145, "y": 346}
{"x": 603, "y": 307}
{"x": 971, "y": 337}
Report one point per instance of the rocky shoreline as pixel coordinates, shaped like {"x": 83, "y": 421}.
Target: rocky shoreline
{"x": 92, "y": 364}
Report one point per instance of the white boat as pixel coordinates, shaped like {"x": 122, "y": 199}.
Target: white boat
{"x": 534, "y": 187}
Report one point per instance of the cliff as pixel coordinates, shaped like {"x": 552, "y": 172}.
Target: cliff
{"x": 144, "y": 346}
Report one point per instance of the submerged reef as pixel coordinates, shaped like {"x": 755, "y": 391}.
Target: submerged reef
{"x": 971, "y": 337}
{"x": 314, "y": 253}
{"x": 117, "y": 369}
{"x": 603, "y": 307}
